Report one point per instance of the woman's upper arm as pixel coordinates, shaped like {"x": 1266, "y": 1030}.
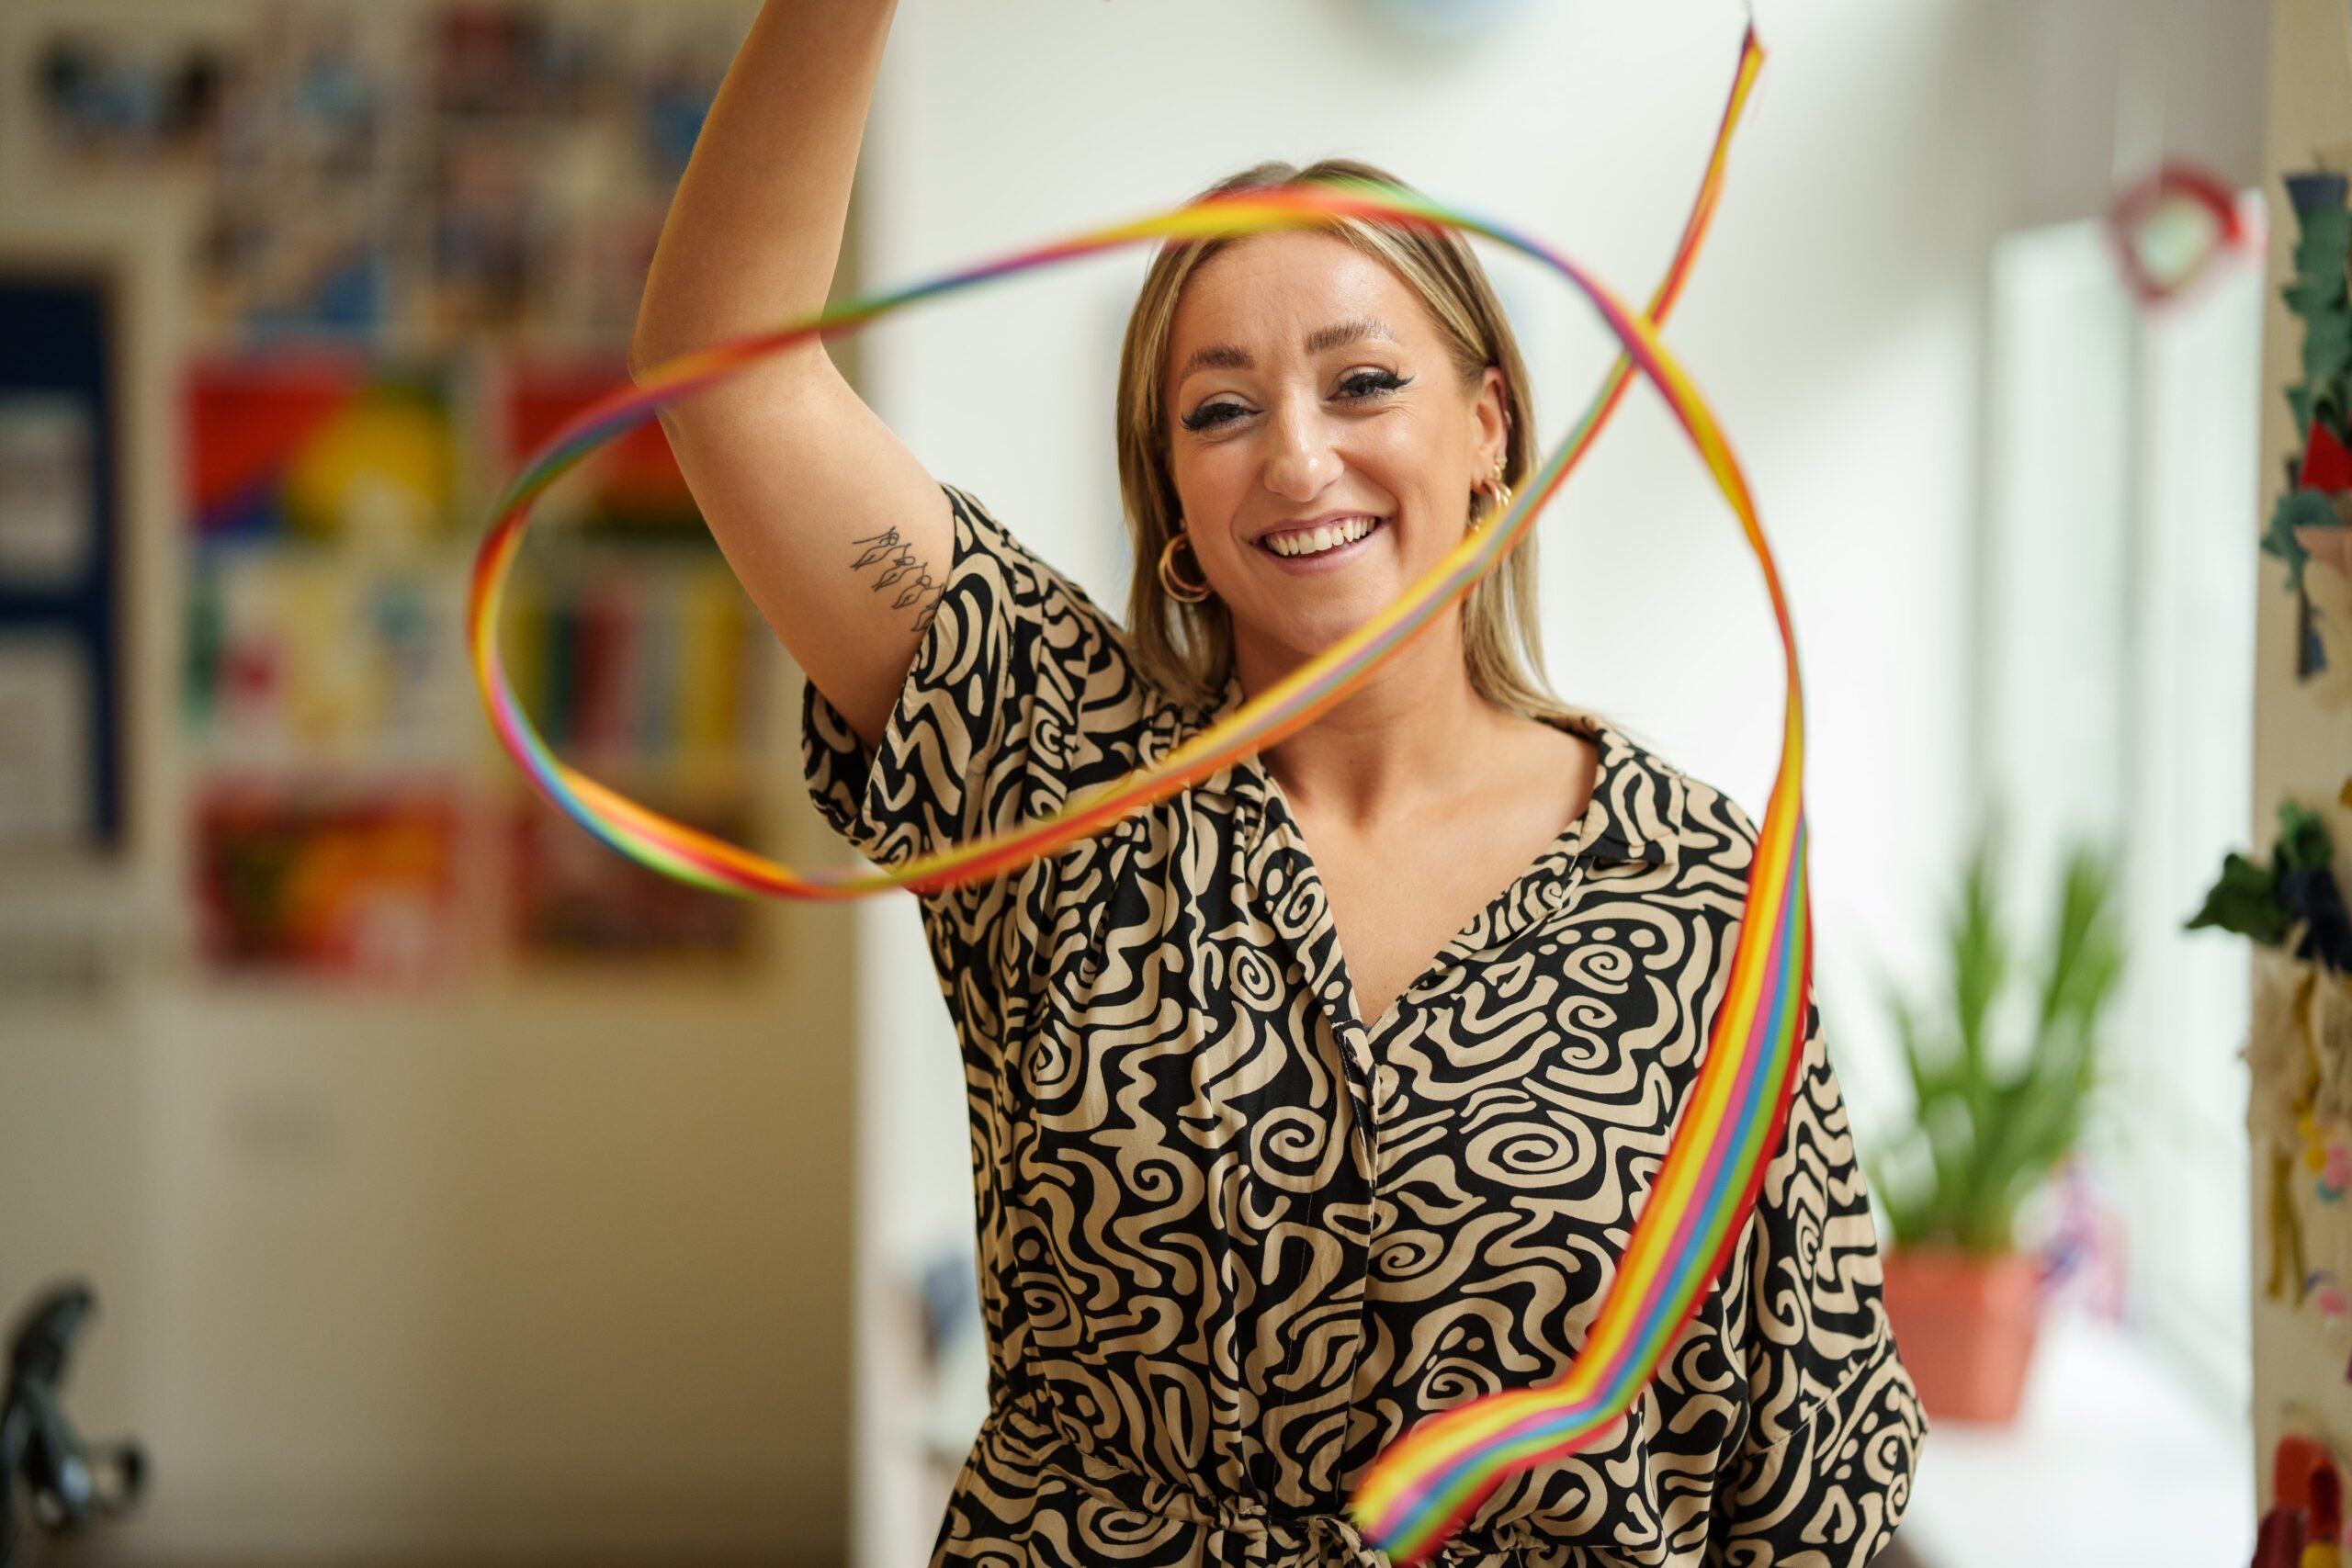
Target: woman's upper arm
{"x": 1022, "y": 693}
{"x": 836, "y": 531}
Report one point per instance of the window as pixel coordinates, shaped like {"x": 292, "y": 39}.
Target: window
{"x": 2116, "y": 699}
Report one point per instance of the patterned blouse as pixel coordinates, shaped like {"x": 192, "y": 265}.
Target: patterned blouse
{"x": 1232, "y": 1241}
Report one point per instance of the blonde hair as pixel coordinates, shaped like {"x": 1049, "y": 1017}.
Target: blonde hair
{"x": 1187, "y": 649}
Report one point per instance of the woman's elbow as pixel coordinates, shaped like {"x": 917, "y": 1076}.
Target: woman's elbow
{"x": 669, "y": 322}
{"x": 647, "y": 346}
{"x": 658, "y": 338}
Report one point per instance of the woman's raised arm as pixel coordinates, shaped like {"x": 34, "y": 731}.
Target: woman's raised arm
{"x": 837, "y": 533}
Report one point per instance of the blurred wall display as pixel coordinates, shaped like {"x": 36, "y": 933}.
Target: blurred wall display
{"x": 45, "y": 740}
{"x": 555, "y": 138}
{"x": 319, "y": 448}
{"x": 630, "y": 486}
{"x": 300, "y": 234}
{"x": 60, "y": 658}
{"x": 420, "y": 237}
{"x": 637, "y": 663}
{"x": 575, "y": 901}
{"x": 298, "y": 878}
{"x": 636, "y": 658}
{"x": 2300, "y": 1048}
{"x": 2308, "y": 526}
{"x": 324, "y": 619}
{"x": 416, "y": 237}
{"x": 115, "y": 97}
{"x": 2290, "y": 902}
{"x": 431, "y": 171}
{"x": 290, "y": 657}
{"x": 520, "y": 188}
{"x": 49, "y": 494}
{"x": 520, "y": 143}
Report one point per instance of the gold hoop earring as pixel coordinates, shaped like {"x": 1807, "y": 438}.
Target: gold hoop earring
{"x": 1191, "y": 593}
{"x": 1500, "y": 490}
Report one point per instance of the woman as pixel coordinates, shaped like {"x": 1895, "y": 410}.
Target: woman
{"x": 1323, "y": 1094}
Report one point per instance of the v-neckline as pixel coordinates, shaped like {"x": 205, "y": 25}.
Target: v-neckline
{"x": 1575, "y": 838}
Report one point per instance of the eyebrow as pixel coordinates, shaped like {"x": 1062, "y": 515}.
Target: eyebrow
{"x": 1322, "y": 340}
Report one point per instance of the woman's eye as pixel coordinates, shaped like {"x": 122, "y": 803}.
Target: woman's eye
{"x": 1366, "y": 384}
{"x": 1207, "y": 415}
{"x": 1362, "y": 386}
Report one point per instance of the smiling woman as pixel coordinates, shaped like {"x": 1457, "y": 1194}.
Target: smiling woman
{"x": 1277, "y": 1149}
{"x": 1449, "y": 327}
{"x": 1260, "y": 1180}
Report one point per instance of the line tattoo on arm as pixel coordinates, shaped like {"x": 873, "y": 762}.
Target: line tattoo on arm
{"x": 900, "y": 569}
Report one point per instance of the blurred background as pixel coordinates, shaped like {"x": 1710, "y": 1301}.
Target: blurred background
{"x": 453, "y": 1191}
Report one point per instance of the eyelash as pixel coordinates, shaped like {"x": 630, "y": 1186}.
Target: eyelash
{"x": 1384, "y": 383}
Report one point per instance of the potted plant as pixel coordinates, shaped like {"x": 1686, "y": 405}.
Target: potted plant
{"x": 1989, "y": 1128}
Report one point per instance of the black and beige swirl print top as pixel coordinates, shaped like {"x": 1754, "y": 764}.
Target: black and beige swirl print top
{"x": 1233, "y": 1241}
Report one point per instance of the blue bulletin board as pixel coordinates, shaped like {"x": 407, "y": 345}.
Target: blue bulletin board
{"x": 61, "y": 664}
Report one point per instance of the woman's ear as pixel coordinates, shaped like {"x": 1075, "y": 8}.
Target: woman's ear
{"x": 1492, "y": 414}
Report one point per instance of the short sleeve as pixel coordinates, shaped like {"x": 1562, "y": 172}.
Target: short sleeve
{"x": 1822, "y": 1472}
{"x": 1022, "y": 692}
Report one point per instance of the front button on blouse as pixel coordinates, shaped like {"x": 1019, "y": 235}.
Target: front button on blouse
{"x": 1235, "y": 1240}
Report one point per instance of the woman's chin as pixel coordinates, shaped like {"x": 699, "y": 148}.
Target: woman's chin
{"x": 1304, "y": 631}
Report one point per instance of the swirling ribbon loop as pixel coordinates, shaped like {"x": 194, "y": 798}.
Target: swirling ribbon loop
{"x": 1422, "y": 1489}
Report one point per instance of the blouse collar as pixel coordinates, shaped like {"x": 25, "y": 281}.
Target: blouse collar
{"x": 1624, "y": 821}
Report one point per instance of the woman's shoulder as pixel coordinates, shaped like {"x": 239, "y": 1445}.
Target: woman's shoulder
{"x": 1662, "y": 809}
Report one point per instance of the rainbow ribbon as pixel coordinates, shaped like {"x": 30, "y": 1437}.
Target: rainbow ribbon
{"x": 1422, "y": 1489}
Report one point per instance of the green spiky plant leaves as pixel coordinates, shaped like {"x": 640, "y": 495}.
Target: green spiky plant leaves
{"x": 1990, "y": 1126}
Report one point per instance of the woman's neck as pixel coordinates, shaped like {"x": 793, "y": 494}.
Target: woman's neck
{"x": 1405, "y": 740}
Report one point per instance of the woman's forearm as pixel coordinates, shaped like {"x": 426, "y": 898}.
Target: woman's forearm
{"x": 754, "y": 232}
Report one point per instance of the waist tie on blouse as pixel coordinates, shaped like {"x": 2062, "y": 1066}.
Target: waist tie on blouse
{"x": 1235, "y": 1532}
{"x": 1242, "y": 1532}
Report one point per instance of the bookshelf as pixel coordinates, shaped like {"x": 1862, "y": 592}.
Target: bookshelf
{"x": 345, "y": 772}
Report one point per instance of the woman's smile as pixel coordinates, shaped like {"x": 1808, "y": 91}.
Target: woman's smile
{"x": 1323, "y": 548}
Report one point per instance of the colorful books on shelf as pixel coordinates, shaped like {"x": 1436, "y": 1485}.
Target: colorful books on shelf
{"x": 646, "y": 665}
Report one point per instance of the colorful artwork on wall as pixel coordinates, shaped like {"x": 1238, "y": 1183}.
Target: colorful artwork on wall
{"x": 2299, "y": 1056}
{"x": 325, "y": 447}
{"x": 2308, "y": 527}
{"x": 395, "y": 294}
{"x": 338, "y": 882}
{"x": 631, "y": 485}
{"x": 2304, "y": 1527}
{"x": 571, "y": 899}
{"x": 309, "y": 656}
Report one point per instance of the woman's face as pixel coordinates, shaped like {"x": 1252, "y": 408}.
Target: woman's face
{"x": 1307, "y": 384}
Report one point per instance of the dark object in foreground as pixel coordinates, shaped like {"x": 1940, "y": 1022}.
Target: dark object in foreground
{"x": 67, "y": 1485}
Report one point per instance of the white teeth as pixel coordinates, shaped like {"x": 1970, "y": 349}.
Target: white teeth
{"x": 1314, "y": 541}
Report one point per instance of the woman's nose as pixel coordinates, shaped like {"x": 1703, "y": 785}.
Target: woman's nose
{"x": 1301, "y": 459}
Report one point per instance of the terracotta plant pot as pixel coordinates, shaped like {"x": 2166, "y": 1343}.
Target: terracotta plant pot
{"x": 1964, "y": 1326}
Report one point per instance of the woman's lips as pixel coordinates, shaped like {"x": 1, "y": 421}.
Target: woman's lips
{"x": 1326, "y": 560}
